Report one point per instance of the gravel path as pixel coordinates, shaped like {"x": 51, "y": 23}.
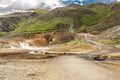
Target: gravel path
{"x": 59, "y": 68}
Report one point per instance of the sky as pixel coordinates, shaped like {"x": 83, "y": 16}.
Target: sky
{"x": 12, "y": 5}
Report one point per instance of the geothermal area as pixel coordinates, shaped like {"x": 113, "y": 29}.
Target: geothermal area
{"x": 59, "y": 40}
{"x": 57, "y": 56}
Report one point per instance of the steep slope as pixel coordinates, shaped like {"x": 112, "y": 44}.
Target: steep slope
{"x": 12, "y": 21}
{"x": 110, "y": 36}
{"x": 94, "y": 17}
{"x": 110, "y": 21}
{"x": 73, "y": 17}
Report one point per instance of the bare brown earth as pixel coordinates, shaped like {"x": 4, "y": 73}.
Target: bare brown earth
{"x": 59, "y": 68}
{"x": 56, "y": 66}
{"x": 112, "y": 64}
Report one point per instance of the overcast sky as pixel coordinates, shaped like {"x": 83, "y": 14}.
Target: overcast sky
{"x": 8, "y": 5}
{"x": 12, "y": 5}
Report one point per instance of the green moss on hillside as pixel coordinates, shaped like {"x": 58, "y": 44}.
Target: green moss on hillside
{"x": 74, "y": 17}
{"x": 77, "y": 41}
{"x": 108, "y": 41}
{"x": 42, "y": 25}
{"x": 102, "y": 11}
{"x": 2, "y": 33}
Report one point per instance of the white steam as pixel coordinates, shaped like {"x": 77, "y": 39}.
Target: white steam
{"x": 26, "y": 46}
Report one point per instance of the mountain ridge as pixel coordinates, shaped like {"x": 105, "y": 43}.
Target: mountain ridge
{"x": 89, "y": 18}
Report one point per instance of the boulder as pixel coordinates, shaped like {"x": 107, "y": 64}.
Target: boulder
{"x": 62, "y": 37}
{"x": 100, "y": 57}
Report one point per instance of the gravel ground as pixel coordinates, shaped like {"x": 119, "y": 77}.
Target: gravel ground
{"x": 59, "y": 68}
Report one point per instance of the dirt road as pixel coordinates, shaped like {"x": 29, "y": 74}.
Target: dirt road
{"x": 59, "y": 68}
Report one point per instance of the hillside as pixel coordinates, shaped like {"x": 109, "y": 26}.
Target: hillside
{"x": 112, "y": 20}
{"x": 91, "y": 18}
{"x": 10, "y": 22}
{"x": 80, "y": 18}
{"x": 73, "y": 42}
{"x": 110, "y": 36}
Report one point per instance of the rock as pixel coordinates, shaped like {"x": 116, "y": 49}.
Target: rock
{"x": 62, "y": 37}
{"x": 84, "y": 36}
{"x": 62, "y": 27}
{"x": 99, "y": 57}
{"x": 6, "y": 52}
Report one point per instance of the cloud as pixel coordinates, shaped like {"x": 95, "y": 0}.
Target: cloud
{"x": 8, "y": 5}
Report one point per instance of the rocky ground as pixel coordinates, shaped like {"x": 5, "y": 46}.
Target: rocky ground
{"x": 73, "y": 60}
{"x": 59, "y": 68}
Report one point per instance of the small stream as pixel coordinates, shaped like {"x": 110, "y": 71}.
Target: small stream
{"x": 90, "y": 57}
{"x": 117, "y": 61}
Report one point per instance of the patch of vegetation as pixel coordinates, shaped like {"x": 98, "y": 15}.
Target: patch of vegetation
{"x": 102, "y": 12}
{"x": 77, "y": 41}
{"x": 107, "y": 41}
{"x": 95, "y": 16}
{"x": 3, "y": 33}
{"x": 42, "y": 25}
{"x": 111, "y": 16}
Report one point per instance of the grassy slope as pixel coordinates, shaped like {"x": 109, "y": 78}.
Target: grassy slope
{"x": 42, "y": 25}
{"x": 81, "y": 18}
{"x": 111, "y": 19}
{"x": 110, "y": 36}
{"x": 102, "y": 10}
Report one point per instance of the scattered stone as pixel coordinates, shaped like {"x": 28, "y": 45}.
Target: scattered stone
{"x": 99, "y": 57}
